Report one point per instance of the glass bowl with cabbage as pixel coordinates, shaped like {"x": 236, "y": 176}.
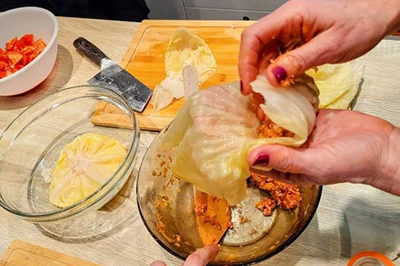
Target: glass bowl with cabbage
{"x": 56, "y": 163}
{"x": 196, "y": 188}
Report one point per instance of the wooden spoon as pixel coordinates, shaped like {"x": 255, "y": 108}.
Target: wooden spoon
{"x": 213, "y": 217}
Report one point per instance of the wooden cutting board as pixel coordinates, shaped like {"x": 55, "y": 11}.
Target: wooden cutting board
{"x": 145, "y": 60}
{"x": 21, "y": 253}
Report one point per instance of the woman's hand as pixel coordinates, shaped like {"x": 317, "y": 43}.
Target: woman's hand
{"x": 345, "y": 146}
{"x": 200, "y": 257}
{"x": 322, "y": 31}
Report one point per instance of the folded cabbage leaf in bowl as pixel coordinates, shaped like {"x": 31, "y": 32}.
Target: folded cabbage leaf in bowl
{"x": 216, "y": 128}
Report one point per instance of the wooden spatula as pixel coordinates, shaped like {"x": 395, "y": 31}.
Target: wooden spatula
{"x": 213, "y": 217}
{"x": 212, "y": 214}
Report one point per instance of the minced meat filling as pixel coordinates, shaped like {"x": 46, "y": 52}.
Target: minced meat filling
{"x": 269, "y": 129}
{"x": 283, "y": 195}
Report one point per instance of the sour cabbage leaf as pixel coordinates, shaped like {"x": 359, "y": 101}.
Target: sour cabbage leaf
{"x": 165, "y": 92}
{"x": 338, "y": 84}
{"x": 212, "y": 135}
{"x": 186, "y": 48}
{"x": 85, "y": 164}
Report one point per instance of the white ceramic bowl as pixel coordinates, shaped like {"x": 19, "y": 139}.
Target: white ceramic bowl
{"x": 43, "y": 24}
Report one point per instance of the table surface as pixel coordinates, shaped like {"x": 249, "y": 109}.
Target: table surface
{"x": 350, "y": 218}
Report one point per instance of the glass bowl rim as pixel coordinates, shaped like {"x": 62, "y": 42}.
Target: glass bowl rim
{"x": 75, "y": 208}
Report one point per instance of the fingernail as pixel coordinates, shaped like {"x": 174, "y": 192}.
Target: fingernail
{"x": 241, "y": 86}
{"x": 262, "y": 159}
{"x": 279, "y": 73}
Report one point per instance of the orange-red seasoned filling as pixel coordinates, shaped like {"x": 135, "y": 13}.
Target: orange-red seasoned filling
{"x": 281, "y": 195}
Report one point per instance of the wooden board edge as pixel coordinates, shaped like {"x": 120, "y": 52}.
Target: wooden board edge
{"x": 9, "y": 251}
{"x": 208, "y": 23}
{"x": 19, "y": 244}
{"x": 133, "y": 45}
{"x": 153, "y": 123}
{"x": 102, "y": 117}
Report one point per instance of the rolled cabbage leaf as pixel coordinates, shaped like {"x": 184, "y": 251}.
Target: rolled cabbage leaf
{"x": 215, "y": 130}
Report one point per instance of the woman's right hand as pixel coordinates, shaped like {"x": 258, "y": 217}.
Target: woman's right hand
{"x": 201, "y": 257}
{"x": 345, "y": 146}
{"x": 323, "y": 32}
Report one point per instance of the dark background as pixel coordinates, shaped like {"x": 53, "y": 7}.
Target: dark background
{"x": 127, "y": 10}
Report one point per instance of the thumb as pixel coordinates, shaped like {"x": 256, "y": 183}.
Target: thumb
{"x": 286, "y": 159}
{"x": 294, "y": 63}
{"x": 158, "y": 263}
{"x": 202, "y": 256}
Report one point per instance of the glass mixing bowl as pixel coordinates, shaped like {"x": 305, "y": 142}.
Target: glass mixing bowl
{"x": 166, "y": 205}
{"x": 31, "y": 145}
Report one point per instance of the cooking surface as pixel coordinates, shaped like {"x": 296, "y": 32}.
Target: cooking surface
{"x": 350, "y": 218}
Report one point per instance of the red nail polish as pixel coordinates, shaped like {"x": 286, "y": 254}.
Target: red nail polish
{"x": 279, "y": 73}
{"x": 262, "y": 159}
{"x": 241, "y": 86}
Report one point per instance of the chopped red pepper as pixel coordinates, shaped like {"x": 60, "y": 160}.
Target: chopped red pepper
{"x": 19, "y": 53}
{"x": 10, "y": 44}
{"x": 28, "y": 39}
{"x": 3, "y": 66}
{"x": 39, "y": 45}
{"x": 27, "y": 50}
{"x": 15, "y": 57}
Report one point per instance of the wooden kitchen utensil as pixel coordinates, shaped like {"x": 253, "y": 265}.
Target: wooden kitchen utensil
{"x": 21, "y": 253}
{"x": 145, "y": 59}
{"x": 213, "y": 217}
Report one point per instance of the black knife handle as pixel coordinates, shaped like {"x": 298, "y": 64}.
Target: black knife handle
{"x": 89, "y": 50}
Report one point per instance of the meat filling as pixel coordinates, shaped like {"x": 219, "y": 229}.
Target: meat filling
{"x": 281, "y": 195}
{"x": 269, "y": 129}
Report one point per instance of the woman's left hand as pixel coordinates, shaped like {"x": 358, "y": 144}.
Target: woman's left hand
{"x": 345, "y": 146}
{"x": 200, "y": 257}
